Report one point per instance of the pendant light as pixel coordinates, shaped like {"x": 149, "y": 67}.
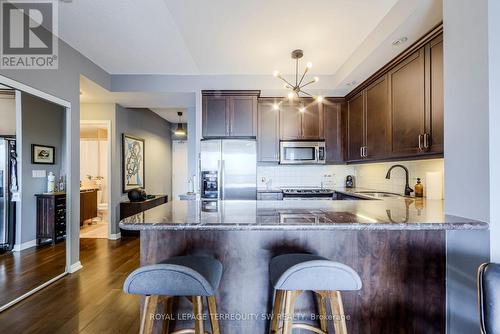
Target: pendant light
{"x": 180, "y": 130}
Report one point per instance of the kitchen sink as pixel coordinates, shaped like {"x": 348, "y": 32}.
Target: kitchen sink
{"x": 378, "y": 194}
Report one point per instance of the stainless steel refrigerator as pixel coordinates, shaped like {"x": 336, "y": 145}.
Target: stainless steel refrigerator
{"x": 8, "y": 182}
{"x": 228, "y": 169}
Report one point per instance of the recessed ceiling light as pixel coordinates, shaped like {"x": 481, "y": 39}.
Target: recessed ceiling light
{"x": 352, "y": 83}
{"x": 400, "y": 41}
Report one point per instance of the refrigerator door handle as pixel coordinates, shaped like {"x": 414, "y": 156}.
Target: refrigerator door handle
{"x": 222, "y": 175}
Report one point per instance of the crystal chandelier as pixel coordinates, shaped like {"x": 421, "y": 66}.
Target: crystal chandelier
{"x": 297, "y": 89}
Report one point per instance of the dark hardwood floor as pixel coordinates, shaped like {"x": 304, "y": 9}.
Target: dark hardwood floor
{"x": 88, "y": 301}
{"x": 21, "y": 272}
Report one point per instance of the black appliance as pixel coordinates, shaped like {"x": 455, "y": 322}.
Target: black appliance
{"x": 349, "y": 181}
{"x": 8, "y": 185}
{"x": 307, "y": 193}
{"x": 209, "y": 184}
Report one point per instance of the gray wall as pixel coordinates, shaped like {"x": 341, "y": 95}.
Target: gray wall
{"x": 42, "y": 123}
{"x": 467, "y": 152}
{"x": 157, "y": 134}
{"x": 494, "y": 95}
{"x": 64, "y": 83}
{"x": 107, "y": 112}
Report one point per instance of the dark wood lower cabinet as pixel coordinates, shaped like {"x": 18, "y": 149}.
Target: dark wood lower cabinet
{"x": 88, "y": 205}
{"x": 403, "y": 275}
{"x": 50, "y": 217}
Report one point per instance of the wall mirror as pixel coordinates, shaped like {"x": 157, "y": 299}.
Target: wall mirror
{"x": 33, "y": 201}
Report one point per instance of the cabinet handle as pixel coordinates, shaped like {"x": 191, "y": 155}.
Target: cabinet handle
{"x": 366, "y": 151}
{"x": 361, "y": 152}
{"x": 426, "y": 140}
{"x": 420, "y": 142}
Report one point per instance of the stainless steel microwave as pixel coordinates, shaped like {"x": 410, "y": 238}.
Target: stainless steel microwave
{"x": 302, "y": 152}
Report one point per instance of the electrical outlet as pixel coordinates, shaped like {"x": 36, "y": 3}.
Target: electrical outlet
{"x": 39, "y": 173}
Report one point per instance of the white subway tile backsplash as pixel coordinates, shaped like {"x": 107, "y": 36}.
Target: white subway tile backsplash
{"x": 303, "y": 176}
{"x": 373, "y": 175}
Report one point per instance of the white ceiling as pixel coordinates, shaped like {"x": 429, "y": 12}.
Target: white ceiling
{"x": 164, "y": 104}
{"x": 218, "y": 36}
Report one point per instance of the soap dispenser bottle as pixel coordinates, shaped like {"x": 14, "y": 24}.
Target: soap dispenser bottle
{"x": 419, "y": 188}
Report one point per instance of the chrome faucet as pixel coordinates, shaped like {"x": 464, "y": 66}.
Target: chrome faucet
{"x": 408, "y": 190}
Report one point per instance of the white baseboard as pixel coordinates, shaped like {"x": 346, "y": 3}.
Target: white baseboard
{"x": 24, "y": 245}
{"x": 75, "y": 267}
{"x": 115, "y": 236}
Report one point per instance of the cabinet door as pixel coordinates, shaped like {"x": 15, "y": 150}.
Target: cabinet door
{"x": 377, "y": 119}
{"x": 435, "y": 115}
{"x": 243, "y": 119}
{"x": 355, "y": 127}
{"x": 215, "y": 116}
{"x": 333, "y": 132}
{"x": 312, "y": 121}
{"x": 290, "y": 121}
{"x": 268, "y": 140}
{"x": 407, "y": 105}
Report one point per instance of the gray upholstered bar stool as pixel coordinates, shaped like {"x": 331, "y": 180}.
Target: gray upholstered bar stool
{"x": 291, "y": 274}
{"x": 190, "y": 276}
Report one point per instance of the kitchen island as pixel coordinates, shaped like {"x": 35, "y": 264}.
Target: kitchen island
{"x": 397, "y": 245}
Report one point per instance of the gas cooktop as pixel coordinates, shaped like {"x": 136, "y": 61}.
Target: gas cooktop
{"x": 306, "y": 191}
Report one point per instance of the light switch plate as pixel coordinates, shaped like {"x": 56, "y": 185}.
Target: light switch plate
{"x": 39, "y": 173}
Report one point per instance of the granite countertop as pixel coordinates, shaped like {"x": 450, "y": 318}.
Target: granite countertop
{"x": 400, "y": 213}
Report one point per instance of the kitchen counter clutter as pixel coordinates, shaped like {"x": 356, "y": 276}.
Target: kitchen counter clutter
{"x": 399, "y": 213}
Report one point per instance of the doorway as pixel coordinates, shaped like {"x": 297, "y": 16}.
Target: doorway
{"x": 95, "y": 172}
{"x": 179, "y": 168}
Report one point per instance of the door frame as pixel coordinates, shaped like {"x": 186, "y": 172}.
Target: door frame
{"x": 107, "y": 122}
{"x": 70, "y": 187}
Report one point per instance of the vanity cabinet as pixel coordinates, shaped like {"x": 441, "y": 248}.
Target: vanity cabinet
{"x": 301, "y": 125}
{"x": 268, "y": 136}
{"x": 229, "y": 114}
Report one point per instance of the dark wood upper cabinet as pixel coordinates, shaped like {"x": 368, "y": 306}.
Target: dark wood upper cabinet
{"x": 377, "y": 122}
{"x": 268, "y": 137}
{"x": 243, "y": 116}
{"x": 355, "y": 127}
{"x": 407, "y": 86}
{"x": 434, "y": 118}
{"x": 290, "y": 121}
{"x": 312, "y": 121}
{"x": 215, "y": 116}
{"x": 334, "y": 131}
{"x": 301, "y": 125}
{"x": 229, "y": 114}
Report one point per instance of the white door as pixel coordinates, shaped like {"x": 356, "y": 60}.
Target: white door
{"x": 179, "y": 169}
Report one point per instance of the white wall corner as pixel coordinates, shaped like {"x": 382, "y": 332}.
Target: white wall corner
{"x": 115, "y": 236}
{"x": 74, "y": 267}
